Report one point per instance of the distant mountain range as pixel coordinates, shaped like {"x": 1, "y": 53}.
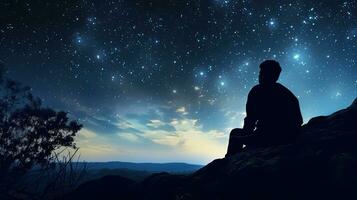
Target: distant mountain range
{"x": 150, "y": 167}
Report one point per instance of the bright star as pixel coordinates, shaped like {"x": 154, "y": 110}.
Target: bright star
{"x": 296, "y": 56}
{"x": 272, "y": 23}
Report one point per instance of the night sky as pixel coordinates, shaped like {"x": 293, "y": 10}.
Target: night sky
{"x": 164, "y": 81}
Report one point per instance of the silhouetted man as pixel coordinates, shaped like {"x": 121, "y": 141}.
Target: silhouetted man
{"x": 273, "y": 113}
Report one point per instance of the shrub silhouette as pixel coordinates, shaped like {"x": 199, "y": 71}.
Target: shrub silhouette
{"x": 30, "y": 134}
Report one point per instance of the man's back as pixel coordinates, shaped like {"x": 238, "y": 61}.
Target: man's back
{"x": 273, "y": 110}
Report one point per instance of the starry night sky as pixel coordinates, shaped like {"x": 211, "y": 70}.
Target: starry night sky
{"x": 163, "y": 81}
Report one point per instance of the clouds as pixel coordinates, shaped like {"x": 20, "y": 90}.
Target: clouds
{"x": 182, "y": 110}
{"x": 155, "y": 123}
{"x": 189, "y": 136}
{"x": 162, "y": 132}
{"x": 93, "y": 146}
{"x": 178, "y": 134}
{"x": 129, "y": 137}
{"x": 87, "y": 134}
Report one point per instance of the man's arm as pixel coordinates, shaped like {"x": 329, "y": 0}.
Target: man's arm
{"x": 251, "y": 118}
{"x": 298, "y": 112}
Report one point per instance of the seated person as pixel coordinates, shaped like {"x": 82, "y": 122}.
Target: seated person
{"x": 273, "y": 113}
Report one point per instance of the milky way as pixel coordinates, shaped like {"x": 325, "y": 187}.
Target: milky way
{"x": 166, "y": 80}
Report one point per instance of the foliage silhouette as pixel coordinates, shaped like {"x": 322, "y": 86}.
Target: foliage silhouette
{"x": 30, "y": 134}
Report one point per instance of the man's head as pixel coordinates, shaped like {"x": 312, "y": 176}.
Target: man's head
{"x": 269, "y": 72}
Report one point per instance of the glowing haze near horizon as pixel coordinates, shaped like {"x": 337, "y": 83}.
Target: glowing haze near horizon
{"x": 165, "y": 81}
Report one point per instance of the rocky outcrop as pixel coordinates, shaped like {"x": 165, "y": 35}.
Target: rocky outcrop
{"x": 321, "y": 164}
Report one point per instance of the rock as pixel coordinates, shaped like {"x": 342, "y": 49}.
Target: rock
{"x": 354, "y": 104}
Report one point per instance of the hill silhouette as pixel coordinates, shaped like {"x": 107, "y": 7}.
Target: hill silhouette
{"x": 150, "y": 167}
{"x": 320, "y": 164}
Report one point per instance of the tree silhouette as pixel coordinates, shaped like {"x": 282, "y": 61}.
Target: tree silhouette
{"x": 30, "y": 134}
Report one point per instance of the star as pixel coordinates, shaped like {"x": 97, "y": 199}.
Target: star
{"x": 296, "y": 56}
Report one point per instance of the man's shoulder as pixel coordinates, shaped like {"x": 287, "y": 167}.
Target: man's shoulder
{"x": 281, "y": 86}
{"x": 255, "y": 89}
{"x": 285, "y": 90}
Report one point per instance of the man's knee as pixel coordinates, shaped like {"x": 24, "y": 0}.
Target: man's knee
{"x": 236, "y": 132}
{"x": 234, "y": 145}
